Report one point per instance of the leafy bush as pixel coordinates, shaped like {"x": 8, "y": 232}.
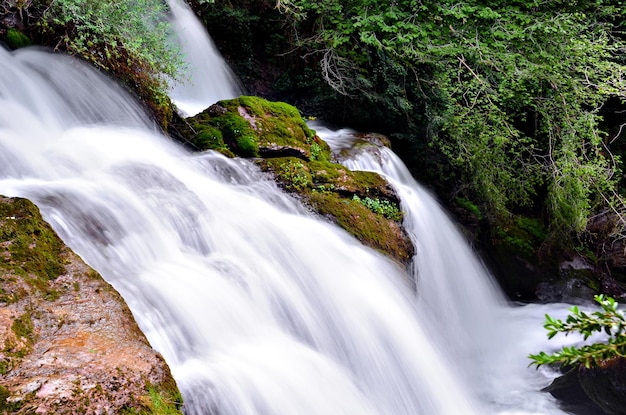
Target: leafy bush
{"x": 510, "y": 92}
{"x": 609, "y": 320}
{"x": 135, "y": 27}
{"x": 131, "y": 39}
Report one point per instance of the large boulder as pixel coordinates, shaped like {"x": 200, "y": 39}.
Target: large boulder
{"x": 279, "y": 140}
{"x": 596, "y": 390}
{"x": 252, "y": 127}
{"x": 68, "y": 342}
{"x": 606, "y": 385}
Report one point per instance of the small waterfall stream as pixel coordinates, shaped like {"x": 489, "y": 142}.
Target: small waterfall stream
{"x": 208, "y": 78}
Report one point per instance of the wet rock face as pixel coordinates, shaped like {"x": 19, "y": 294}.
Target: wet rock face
{"x": 606, "y": 385}
{"x": 68, "y": 342}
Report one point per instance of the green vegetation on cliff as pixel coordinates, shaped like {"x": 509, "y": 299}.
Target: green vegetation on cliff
{"x": 30, "y": 248}
{"x": 130, "y": 39}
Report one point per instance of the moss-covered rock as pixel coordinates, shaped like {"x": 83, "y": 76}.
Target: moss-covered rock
{"x": 341, "y": 195}
{"x": 68, "y": 342}
{"x": 31, "y": 250}
{"x": 274, "y": 133}
{"x": 373, "y": 229}
{"x": 253, "y": 127}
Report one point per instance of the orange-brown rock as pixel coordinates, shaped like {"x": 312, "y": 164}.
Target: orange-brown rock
{"x": 68, "y": 342}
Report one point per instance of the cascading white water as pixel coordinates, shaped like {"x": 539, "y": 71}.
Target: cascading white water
{"x": 457, "y": 296}
{"x": 208, "y": 78}
{"x": 258, "y": 307}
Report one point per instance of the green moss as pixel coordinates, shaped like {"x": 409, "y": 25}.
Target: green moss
{"x": 6, "y": 406}
{"x": 208, "y": 138}
{"x": 469, "y": 206}
{"x": 533, "y": 227}
{"x": 4, "y": 369}
{"x": 291, "y": 173}
{"x": 16, "y": 39}
{"x": 250, "y": 125}
{"x": 32, "y": 249}
{"x": 372, "y": 229}
{"x": 247, "y": 146}
{"x": 23, "y": 327}
{"x": 523, "y": 234}
{"x": 360, "y": 183}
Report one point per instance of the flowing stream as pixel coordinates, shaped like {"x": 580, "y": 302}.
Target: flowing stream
{"x": 258, "y": 306}
{"x": 207, "y": 78}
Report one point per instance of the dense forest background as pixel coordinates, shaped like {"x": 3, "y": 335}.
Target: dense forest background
{"x": 512, "y": 112}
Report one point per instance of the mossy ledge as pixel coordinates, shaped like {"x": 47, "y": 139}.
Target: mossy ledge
{"x": 68, "y": 342}
{"x": 276, "y": 136}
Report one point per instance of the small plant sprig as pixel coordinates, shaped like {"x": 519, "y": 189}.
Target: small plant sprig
{"x": 609, "y": 320}
{"x": 381, "y": 207}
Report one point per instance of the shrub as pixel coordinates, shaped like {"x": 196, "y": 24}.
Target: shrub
{"x": 609, "y": 319}
{"x": 129, "y": 38}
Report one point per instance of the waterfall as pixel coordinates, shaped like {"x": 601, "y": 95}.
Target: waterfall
{"x": 457, "y": 296}
{"x": 257, "y": 306}
{"x": 207, "y": 78}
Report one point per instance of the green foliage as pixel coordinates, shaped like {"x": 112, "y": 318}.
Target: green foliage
{"x": 511, "y": 92}
{"x": 17, "y": 39}
{"x": 469, "y": 206}
{"x": 137, "y": 28}
{"x": 162, "y": 405}
{"x": 609, "y": 320}
{"x": 381, "y": 206}
{"x": 129, "y": 38}
{"x": 316, "y": 151}
{"x": 157, "y": 402}
{"x": 23, "y": 327}
{"x": 291, "y": 172}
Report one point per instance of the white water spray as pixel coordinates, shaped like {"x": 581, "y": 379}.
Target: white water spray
{"x": 257, "y": 307}
{"x": 208, "y": 77}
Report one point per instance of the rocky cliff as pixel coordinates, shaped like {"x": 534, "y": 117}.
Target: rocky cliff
{"x": 68, "y": 342}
